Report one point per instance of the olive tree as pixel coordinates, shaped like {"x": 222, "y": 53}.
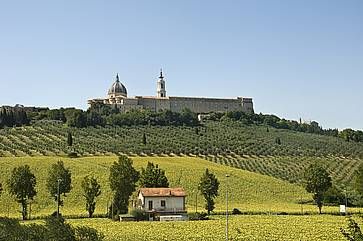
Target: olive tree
{"x": 22, "y": 186}
{"x": 317, "y": 182}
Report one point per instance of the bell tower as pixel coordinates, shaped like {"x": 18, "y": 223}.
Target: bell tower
{"x": 161, "y": 92}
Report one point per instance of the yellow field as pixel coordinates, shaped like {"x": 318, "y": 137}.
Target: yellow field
{"x": 243, "y": 227}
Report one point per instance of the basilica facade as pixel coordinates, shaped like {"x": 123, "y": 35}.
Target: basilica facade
{"x": 117, "y": 97}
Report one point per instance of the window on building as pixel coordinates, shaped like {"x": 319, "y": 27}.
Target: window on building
{"x": 150, "y": 205}
{"x": 162, "y": 204}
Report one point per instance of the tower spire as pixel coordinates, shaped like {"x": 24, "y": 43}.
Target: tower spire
{"x": 161, "y": 92}
{"x": 117, "y": 78}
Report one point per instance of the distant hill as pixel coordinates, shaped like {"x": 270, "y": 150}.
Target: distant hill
{"x": 275, "y": 152}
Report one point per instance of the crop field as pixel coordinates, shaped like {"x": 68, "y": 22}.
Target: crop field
{"x": 247, "y": 147}
{"x": 248, "y": 191}
{"x": 241, "y": 227}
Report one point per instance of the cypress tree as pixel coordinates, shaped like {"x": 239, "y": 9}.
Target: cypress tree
{"x": 69, "y": 139}
{"x": 144, "y": 139}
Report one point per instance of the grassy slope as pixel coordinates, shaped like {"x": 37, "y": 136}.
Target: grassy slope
{"x": 248, "y": 191}
{"x": 247, "y": 147}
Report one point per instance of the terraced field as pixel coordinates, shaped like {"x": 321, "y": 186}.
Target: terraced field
{"x": 248, "y": 147}
{"x": 290, "y": 168}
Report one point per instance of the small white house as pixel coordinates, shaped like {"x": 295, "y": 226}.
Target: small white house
{"x": 158, "y": 202}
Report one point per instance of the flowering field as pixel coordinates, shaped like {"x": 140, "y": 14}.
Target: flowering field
{"x": 244, "y": 227}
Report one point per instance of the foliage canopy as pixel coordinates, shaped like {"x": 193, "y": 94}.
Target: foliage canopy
{"x": 54, "y": 229}
{"x": 153, "y": 176}
{"x": 317, "y": 181}
{"x": 91, "y": 190}
{"x": 353, "y": 232}
{"x": 59, "y": 173}
{"x": 122, "y": 179}
{"x": 22, "y": 186}
{"x": 208, "y": 186}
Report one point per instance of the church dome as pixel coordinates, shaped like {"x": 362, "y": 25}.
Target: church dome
{"x": 117, "y": 89}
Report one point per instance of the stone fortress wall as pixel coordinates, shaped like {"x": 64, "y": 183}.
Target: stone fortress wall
{"x": 206, "y": 105}
{"x": 178, "y": 104}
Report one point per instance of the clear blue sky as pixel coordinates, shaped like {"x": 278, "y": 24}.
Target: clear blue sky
{"x": 295, "y": 58}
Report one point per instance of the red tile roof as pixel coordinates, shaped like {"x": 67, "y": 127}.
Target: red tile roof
{"x": 163, "y": 192}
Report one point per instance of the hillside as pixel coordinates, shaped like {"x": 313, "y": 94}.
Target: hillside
{"x": 248, "y": 191}
{"x": 249, "y": 147}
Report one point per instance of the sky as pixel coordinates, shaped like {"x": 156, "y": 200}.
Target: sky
{"x": 296, "y": 59}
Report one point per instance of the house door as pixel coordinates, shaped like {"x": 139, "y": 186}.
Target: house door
{"x": 150, "y": 205}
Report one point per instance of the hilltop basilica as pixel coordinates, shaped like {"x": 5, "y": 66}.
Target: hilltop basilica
{"x": 117, "y": 97}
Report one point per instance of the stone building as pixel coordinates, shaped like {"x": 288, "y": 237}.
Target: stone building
{"x": 117, "y": 97}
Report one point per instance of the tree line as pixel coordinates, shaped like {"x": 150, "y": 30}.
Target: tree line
{"x": 22, "y": 186}
{"x": 102, "y": 115}
{"x": 13, "y": 117}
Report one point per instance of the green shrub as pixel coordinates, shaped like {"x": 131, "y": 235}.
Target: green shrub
{"x": 10, "y": 229}
{"x": 335, "y": 196}
{"x": 198, "y": 216}
{"x": 139, "y": 214}
{"x": 236, "y": 211}
{"x": 353, "y": 232}
{"x": 73, "y": 155}
{"x": 55, "y": 229}
{"x": 88, "y": 234}
{"x": 58, "y": 230}
{"x": 35, "y": 232}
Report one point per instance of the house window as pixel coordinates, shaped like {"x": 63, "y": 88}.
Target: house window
{"x": 162, "y": 204}
{"x": 150, "y": 205}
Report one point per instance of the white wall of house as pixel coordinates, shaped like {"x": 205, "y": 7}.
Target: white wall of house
{"x": 171, "y": 203}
